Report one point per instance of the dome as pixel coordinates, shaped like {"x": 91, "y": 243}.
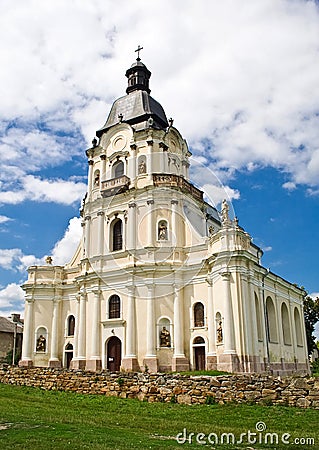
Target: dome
{"x": 137, "y": 108}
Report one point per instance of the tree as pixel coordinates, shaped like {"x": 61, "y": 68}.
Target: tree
{"x": 311, "y": 314}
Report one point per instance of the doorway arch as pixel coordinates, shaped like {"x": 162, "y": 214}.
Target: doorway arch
{"x": 199, "y": 353}
{"x": 113, "y": 354}
{"x": 68, "y": 352}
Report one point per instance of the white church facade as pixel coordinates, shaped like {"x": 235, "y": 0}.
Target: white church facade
{"x": 161, "y": 280}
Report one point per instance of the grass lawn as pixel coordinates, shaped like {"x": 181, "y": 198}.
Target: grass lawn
{"x": 34, "y": 419}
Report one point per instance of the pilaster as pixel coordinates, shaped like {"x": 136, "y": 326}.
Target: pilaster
{"x": 94, "y": 363}
{"x": 129, "y": 362}
{"x": 26, "y": 359}
{"x": 179, "y": 361}
{"x": 54, "y": 360}
{"x": 150, "y": 359}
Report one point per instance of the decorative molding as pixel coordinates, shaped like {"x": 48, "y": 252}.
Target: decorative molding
{"x": 90, "y": 162}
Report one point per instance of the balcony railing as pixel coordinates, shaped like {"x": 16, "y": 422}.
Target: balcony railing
{"x": 114, "y": 186}
{"x": 175, "y": 181}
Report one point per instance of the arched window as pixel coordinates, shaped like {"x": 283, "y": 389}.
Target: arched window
{"x": 114, "y": 307}
{"x": 118, "y": 169}
{"x": 258, "y": 319}
{"x": 285, "y": 324}
{"x": 198, "y": 340}
{"x": 198, "y": 314}
{"x": 116, "y": 235}
{"x": 298, "y": 327}
{"x": 162, "y": 231}
{"x": 271, "y": 320}
{"x": 71, "y": 325}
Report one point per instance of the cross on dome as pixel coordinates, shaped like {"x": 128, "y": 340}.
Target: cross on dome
{"x": 139, "y": 48}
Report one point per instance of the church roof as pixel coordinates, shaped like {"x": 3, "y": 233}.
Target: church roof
{"x": 137, "y": 108}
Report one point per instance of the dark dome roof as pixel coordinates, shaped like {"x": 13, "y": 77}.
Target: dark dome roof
{"x": 137, "y": 108}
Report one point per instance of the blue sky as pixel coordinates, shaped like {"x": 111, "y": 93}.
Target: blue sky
{"x": 240, "y": 80}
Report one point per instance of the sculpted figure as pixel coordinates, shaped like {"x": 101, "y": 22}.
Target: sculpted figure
{"x": 220, "y": 333}
{"x": 165, "y": 338}
{"x": 41, "y": 343}
{"x": 142, "y": 167}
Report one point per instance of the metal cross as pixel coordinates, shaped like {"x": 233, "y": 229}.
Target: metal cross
{"x": 139, "y": 48}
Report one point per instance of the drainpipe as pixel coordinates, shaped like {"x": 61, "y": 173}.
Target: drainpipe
{"x": 266, "y": 320}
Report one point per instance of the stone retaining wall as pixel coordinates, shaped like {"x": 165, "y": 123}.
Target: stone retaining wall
{"x": 255, "y": 388}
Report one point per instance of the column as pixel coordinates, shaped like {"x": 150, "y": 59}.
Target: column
{"x": 87, "y": 236}
{"x": 253, "y": 318}
{"x": 229, "y": 345}
{"x": 264, "y": 326}
{"x": 150, "y": 359}
{"x": 133, "y": 164}
{"x": 211, "y": 328}
{"x": 228, "y": 360}
{"x": 90, "y": 177}
{"x": 179, "y": 362}
{"x": 174, "y": 222}
{"x": 28, "y": 334}
{"x": 129, "y": 362}
{"x": 54, "y": 360}
{"x": 103, "y": 171}
{"x": 100, "y": 236}
{"x": 95, "y": 362}
{"x": 131, "y": 238}
{"x": 150, "y": 224}
{"x": 76, "y": 332}
{"x": 150, "y": 157}
{"x": 80, "y": 360}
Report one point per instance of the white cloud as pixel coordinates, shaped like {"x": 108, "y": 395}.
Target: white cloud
{"x": 241, "y": 79}
{"x": 65, "y": 248}
{"x": 289, "y": 185}
{"x": 216, "y": 194}
{"x": 11, "y": 300}
{"x": 4, "y": 219}
{"x": 14, "y": 259}
{"x": 56, "y": 191}
{"x": 267, "y": 248}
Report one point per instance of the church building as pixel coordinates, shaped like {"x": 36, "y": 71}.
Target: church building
{"x": 161, "y": 280}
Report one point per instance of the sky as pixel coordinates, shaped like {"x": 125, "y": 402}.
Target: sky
{"x": 239, "y": 78}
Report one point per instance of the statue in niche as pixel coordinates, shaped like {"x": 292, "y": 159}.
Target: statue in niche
{"x": 165, "y": 338}
{"x": 97, "y": 179}
{"x": 211, "y": 230}
{"x": 162, "y": 231}
{"x": 41, "y": 341}
{"x": 220, "y": 333}
{"x": 142, "y": 167}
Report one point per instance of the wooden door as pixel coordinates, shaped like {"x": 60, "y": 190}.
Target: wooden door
{"x": 200, "y": 358}
{"x": 114, "y": 354}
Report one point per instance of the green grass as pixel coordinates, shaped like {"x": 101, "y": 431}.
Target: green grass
{"x": 35, "y": 419}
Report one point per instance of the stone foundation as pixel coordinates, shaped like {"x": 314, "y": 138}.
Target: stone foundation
{"x": 254, "y": 388}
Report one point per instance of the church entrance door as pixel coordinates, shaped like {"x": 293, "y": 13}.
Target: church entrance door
{"x": 199, "y": 358}
{"x": 68, "y": 355}
{"x": 113, "y": 353}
